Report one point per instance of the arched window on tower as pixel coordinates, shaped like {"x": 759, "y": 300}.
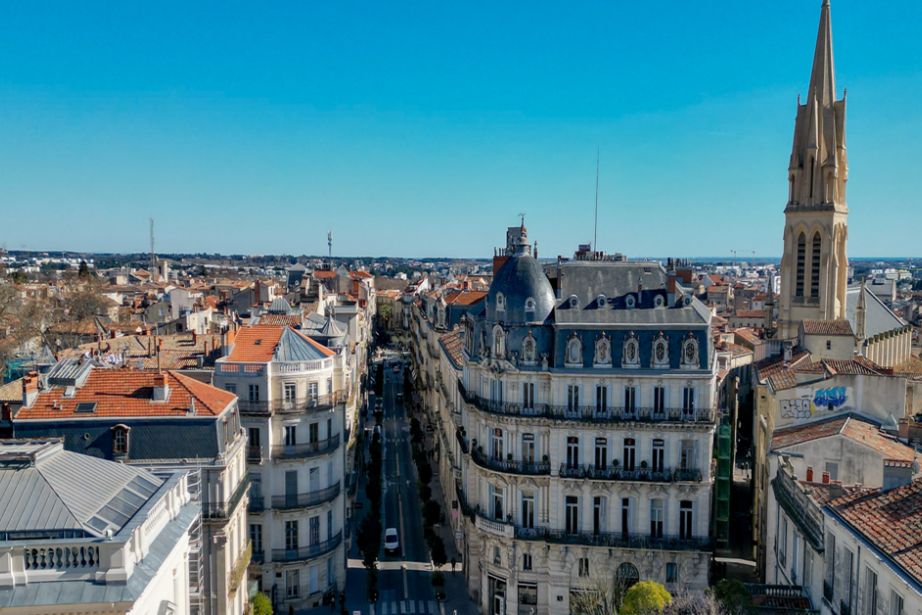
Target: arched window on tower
{"x": 815, "y": 265}
{"x": 791, "y": 196}
{"x": 801, "y": 258}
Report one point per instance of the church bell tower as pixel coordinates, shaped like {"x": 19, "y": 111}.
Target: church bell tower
{"x": 814, "y": 265}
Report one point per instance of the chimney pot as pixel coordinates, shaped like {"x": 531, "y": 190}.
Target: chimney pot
{"x": 809, "y": 474}
{"x": 825, "y": 478}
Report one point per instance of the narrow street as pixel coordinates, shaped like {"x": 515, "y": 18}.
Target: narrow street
{"x": 404, "y": 578}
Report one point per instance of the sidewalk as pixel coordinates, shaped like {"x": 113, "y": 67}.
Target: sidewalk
{"x": 457, "y": 601}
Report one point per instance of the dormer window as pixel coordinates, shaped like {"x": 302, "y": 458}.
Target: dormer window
{"x": 500, "y": 302}
{"x": 574, "y": 302}
{"x": 630, "y": 301}
{"x": 529, "y": 350}
{"x": 602, "y": 352}
{"x": 658, "y": 301}
{"x": 120, "y": 440}
{"x": 529, "y": 305}
{"x": 574, "y": 352}
{"x": 660, "y": 352}
{"x": 690, "y": 353}
{"x": 601, "y": 301}
{"x": 631, "y": 356}
{"x": 499, "y": 342}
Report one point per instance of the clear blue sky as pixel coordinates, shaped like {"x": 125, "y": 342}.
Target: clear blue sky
{"x": 421, "y": 129}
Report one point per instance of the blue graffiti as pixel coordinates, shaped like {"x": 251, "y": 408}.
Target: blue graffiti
{"x": 830, "y": 397}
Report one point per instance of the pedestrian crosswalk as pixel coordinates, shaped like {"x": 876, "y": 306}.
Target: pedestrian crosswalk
{"x": 408, "y": 607}
{"x": 389, "y": 605}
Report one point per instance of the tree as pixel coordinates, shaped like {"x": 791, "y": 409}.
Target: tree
{"x": 645, "y": 598}
{"x": 84, "y": 271}
{"x": 597, "y": 595}
{"x": 384, "y": 313}
{"x": 261, "y": 605}
{"x": 733, "y": 597}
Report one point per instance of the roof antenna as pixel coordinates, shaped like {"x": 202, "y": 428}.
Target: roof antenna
{"x": 595, "y": 234}
{"x": 330, "y": 245}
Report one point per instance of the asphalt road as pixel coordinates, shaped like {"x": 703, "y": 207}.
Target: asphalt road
{"x": 404, "y": 588}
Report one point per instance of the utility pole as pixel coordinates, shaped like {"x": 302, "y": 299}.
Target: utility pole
{"x": 753, "y": 259}
{"x": 595, "y": 232}
{"x": 734, "y": 256}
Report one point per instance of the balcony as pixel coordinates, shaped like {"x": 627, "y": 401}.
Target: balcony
{"x": 511, "y": 467}
{"x": 615, "y": 540}
{"x": 306, "y": 500}
{"x": 258, "y": 557}
{"x": 222, "y": 510}
{"x": 618, "y": 473}
{"x": 307, "y": 450}
{"x": 309, "y": 552}
{"x": 799, "y": 506}
{"x": 254, "y": 453}
{"x": 589, "y": 414}
{"x": 310, "y": 405}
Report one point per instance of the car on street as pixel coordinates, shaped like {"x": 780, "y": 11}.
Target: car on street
{"x": 399, "y": 398}
{"x": 391, "y": 542}
{"x": 378, "y": 431}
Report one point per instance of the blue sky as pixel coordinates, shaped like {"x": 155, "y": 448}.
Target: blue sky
{"x": 423, "y": 129}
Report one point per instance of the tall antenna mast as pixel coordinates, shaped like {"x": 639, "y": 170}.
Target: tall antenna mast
{"x": 330, "y": 246}
{"x": 595, "y": 234}
{"x": 153, "y": 257}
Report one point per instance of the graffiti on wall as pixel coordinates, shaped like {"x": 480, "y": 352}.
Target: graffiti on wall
{"x": 807, "y": 405}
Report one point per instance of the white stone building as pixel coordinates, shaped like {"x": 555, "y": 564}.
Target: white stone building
{"x": 292, "y": 400}
{"x": 585, "y": 423}
{"x": 80, "y": 534}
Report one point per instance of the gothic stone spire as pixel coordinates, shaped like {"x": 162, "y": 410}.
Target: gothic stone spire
{"x": 819, "y": 168}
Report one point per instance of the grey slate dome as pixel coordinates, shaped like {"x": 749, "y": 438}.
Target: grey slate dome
{"x": 522, "y": 289}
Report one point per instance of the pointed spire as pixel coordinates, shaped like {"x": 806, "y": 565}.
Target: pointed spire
{"x": 823, "y": 77}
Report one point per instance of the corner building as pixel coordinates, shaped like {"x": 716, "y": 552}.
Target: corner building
{"x": 292, "y": 404}
{"x": 587, "y": 401}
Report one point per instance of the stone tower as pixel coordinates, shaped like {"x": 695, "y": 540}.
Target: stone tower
{"x": 814, "y": 264}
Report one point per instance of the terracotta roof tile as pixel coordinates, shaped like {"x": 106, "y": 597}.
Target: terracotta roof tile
{"x": 453, "y": 343}
{"x": 826, "y": 327}
{"x": 750, "y": 314}
{"x": 128, "y": 392}
{"x": 457, "y": 297}
{"x": 889, "y": 520}
{"x": 851, "y": 427}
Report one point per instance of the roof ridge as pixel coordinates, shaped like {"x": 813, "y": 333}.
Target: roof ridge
{"x": 323, "y": 349}
{"x": 63, "y": 501}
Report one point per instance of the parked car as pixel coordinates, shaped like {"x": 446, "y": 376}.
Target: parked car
{"x": 391, "y": 542}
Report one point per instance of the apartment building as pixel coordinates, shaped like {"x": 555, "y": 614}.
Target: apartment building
{"x": 164, "y": 422}
{"x": 292, "y": 403}
{"x": 583, "y": 432}
{"x": 79, "y": 534}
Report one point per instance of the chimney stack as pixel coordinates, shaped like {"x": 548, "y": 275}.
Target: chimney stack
{"x": 161, "y": 388}
{"x": 29, "y": 389}
{"x": 836, "y": 490}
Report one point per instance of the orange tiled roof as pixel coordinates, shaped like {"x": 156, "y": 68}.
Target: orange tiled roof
{"x": 280, "y": 320}
{"x": 257, "y": 344}
{"x": 128, "y": 392}
{"x": 750, "y": 314}
{"x": 458, "y": 297}
{"x": 889, "y": 520}
{"x": 814, "y": 326}
{"x": 360, "y": 274}
{"x": 321, "y": 273}
{"x": 849, "y": 426}
{"x": 453, "y": 342}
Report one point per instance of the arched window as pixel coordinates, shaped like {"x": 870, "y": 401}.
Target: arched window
{"x": 690, "y": 353}
{"x": 603, "y": 351}
{"x": 627, "y": 576}
{"x": 631, "y": 356}
{"x": 499, "y": 342}
{"x": 528, "y": 350}
{"x": 660, "y": 352}
{"x": 815, "y": 265}
{"x": 791, "y": 197}
{"x": 120, "y": 440}
{"x": 500, "y": 302}
{"x": 574, "y": 352}
{"x": 801, "y": 258}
